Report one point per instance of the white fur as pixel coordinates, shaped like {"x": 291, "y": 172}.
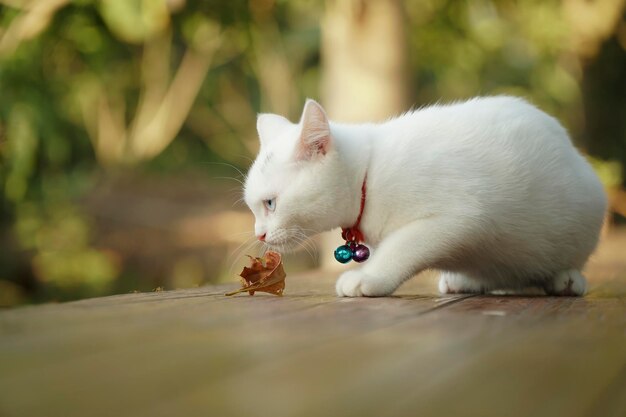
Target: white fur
{"x": 490, "y": 190}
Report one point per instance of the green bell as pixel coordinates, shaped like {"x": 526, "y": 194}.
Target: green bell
{"x": 343, "y": 254}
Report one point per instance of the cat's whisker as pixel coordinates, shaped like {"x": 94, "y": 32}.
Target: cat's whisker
{"x": 245, "y": 157}
{"x": 298, "y": 232}
{"x": 235, "y": 190}
{"x": 238, "y": 180}
{"x": 247, "y": 248}
{"x": 314, "y": 248}
{"x": 238, "y": 201}
{"x": 298, "y": 243}
{"x": 301, "y": 244}
{"x": 228, "y": 165}
{"x": 264, "y": 248}
{"x": 303, "y": 241}
{"x": 237, "y": 194}
{"x": 229, "y": 178}
{"x": 307, "y": 236}
{"x": 236, "y": 250}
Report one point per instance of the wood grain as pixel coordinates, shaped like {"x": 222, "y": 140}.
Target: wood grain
{"x": 196, "y": 352}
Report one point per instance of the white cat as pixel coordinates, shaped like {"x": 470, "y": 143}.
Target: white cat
{"x": 490, "y": 191}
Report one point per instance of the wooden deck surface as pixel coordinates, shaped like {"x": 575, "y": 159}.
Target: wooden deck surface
{"x": 198, "y": 353}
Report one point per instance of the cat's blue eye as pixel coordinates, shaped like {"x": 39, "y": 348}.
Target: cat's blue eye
{"x": 270, "y": 205}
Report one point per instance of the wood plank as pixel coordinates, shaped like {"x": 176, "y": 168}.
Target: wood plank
{"x": 196, "y": 352}
{"x": 559, "y": 365}
{"x": 425, "y": 350}
{"x": 105, "y": 347}
{"x": 451, "y": 362}
{"x": 612, "y": 402}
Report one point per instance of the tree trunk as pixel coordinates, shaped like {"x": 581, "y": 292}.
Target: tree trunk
{"x": 364, "y": 60}
{"x": 364, "y": 69}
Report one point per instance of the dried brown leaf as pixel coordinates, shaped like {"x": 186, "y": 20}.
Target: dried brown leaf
{"x": 264, "y": 275}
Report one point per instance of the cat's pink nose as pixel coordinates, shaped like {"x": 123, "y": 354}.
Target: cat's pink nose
{"x": 262, "y": 237}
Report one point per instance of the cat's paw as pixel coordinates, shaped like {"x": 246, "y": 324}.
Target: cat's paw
{"x": 457, "y": 283}
{"x": 356, "y": 283}
{"x": 349, "y": 284}
{"x": 567, "y": 283}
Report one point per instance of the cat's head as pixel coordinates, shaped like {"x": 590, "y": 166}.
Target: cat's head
{"x": 294, "y": 186}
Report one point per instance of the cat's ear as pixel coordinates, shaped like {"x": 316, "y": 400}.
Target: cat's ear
{"x": 315, "y": 135}
{"x": 270, "y": 126}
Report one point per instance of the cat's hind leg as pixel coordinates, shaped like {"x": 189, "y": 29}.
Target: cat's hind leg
{"x": 567, "y": 283}
{"x": 458, "y": 283}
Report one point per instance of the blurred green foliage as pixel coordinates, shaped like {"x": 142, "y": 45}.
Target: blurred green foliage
{"x": 74, "y": 74}
{"x": 58, "y": 62}
{"x": 469, "y": 48}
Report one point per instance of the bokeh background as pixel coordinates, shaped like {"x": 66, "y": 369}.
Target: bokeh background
{"x": 127, "y": 125}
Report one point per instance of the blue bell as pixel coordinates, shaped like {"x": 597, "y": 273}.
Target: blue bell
{"x": 343, "y": 254}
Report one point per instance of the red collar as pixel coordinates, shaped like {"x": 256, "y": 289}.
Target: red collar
{"x": 354, "y": 233}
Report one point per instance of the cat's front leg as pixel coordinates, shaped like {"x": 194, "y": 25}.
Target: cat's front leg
{"x": 402, "y": 254}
